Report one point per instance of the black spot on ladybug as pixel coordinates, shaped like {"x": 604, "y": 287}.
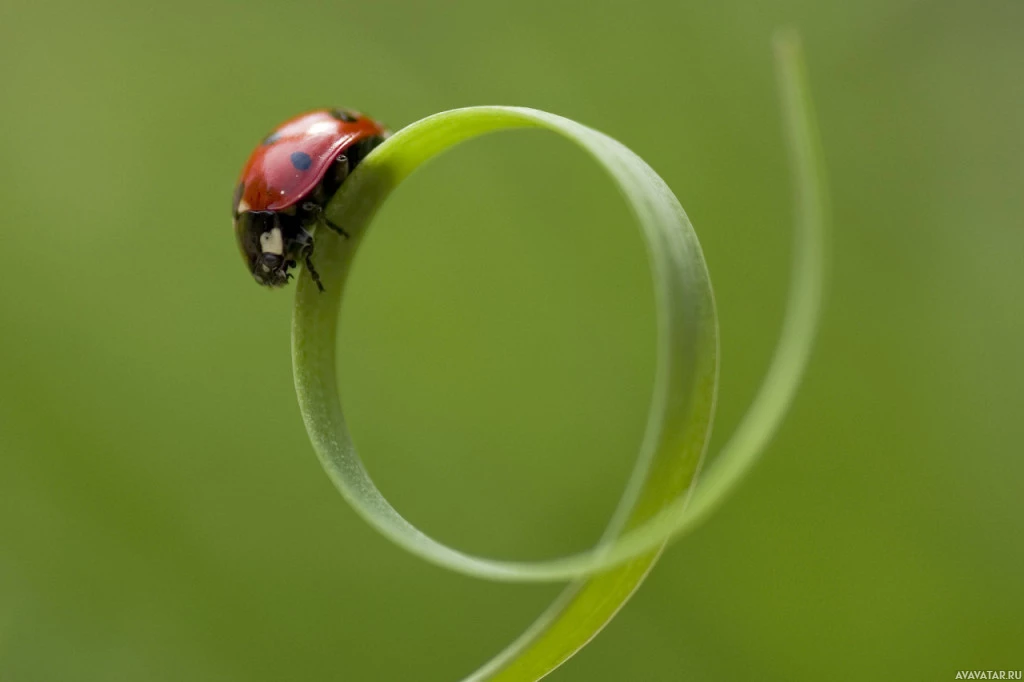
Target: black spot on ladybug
{"x": 301, "y": 160}
{"x": 342, "y": 115}
{"x": 271, "y": 138}
{"x": 237, "y": 198}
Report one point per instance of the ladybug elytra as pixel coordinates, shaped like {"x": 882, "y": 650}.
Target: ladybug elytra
{"x": 285, "y": 184}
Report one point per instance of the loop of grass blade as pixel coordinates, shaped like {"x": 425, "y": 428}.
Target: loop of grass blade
{"x": 686, "y": 379}
{"x": 658, "y": 503}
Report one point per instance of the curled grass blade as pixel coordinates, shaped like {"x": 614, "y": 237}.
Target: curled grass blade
{"x": 683, "y": 398}
{"x": 659, "y": 501}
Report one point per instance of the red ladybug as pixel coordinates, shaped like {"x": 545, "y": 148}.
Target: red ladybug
{"x": 280, "y": 198}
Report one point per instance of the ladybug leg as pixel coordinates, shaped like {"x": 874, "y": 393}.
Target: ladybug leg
{"x": 342, "y": 168}
{"x": 312, "y": 271}
{"x": 301, "y": 246}
{"x": 317, "y": 213}
{"x": 334, "y": 227}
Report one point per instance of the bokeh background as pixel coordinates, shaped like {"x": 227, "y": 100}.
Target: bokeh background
{"x": 162, "y": 515}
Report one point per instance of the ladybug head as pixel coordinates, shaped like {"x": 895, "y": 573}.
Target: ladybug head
{"x": 265, "y": 248}
{"x": 271, "y": 269}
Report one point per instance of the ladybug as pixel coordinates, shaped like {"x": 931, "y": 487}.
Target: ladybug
{"x": 285, "y": 184}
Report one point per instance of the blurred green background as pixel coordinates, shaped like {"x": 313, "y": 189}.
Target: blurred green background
{"x": 162, "y": 515}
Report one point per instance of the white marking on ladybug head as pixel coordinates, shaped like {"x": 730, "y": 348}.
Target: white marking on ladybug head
{"x": 243, "y": 206}
{"x": 272, "y": 242}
